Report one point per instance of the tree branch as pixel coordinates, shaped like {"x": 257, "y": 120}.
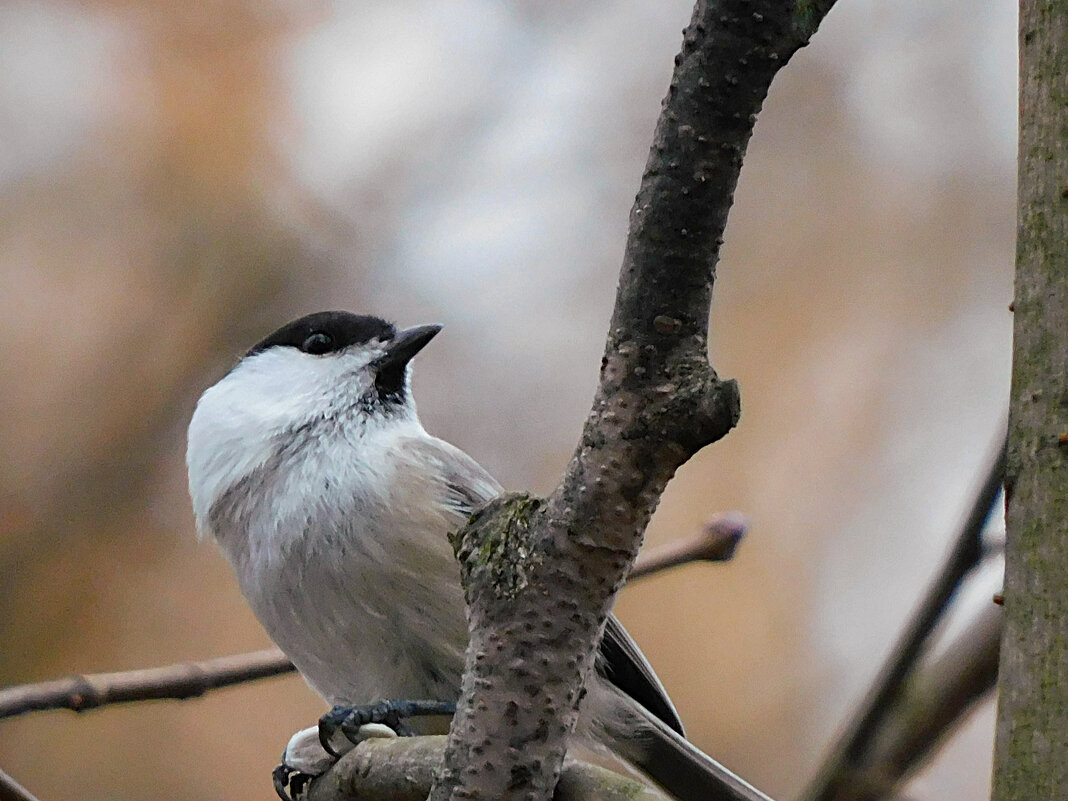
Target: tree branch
{"x": 834, "y": 780}
{"x": 541, "y": 575}
{"x": 930, "y": 705}
{"x": 403, "y": 769}
{"x": 11, "y": 790}
{"x": 937, "y": 698}
{"x": 716, "y": 542}
{"x": 185, "y": 680}
{"x": 932, "y": 702}
{"x": 1031, "y": 747}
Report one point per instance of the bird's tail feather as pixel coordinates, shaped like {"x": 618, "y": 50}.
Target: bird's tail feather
{"x": 681, "y": 768}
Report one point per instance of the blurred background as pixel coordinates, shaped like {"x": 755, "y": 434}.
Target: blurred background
{"x": 178, "y": 179}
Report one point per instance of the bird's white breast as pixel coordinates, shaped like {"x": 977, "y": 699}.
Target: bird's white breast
{"x": 338, "y": 543}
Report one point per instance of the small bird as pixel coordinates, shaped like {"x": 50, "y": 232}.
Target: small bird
{"x": 309, "y": 468}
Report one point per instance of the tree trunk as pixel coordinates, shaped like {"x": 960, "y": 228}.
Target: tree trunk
{"x": 1031, "y": 754}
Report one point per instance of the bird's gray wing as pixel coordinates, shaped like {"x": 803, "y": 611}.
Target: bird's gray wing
{"x": 467, "y": 487}
{"x": 466, "y": 497}
{"x": 464, "y": 485}
{"x": 625, "y": 666}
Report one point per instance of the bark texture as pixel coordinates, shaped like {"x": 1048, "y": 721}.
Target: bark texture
{"x": 1031, "y": 753}
{"x": 541, "y": 575}
{"x": 403, "y": 770}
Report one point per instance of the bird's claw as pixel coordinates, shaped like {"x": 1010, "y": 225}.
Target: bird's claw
{"x": 303, "y": 760}
{"x": 290, "y": 783}
{"x": 349, "y": 720}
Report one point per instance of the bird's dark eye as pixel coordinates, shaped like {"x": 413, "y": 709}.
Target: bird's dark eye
{"x": 317, "y": 343}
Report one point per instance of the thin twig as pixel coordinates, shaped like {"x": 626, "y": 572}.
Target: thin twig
{"x": 935, "y": 699}
{"x": 185, "y": 680}
{"x": 850, "y": 753}
{"x": 11, "y": 790}
{"x": 716, "y": 542}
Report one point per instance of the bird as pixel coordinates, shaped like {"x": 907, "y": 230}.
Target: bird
{"x": 310, "y": 469}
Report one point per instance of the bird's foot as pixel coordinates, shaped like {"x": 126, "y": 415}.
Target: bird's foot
{"x": 357, "y": 723}
{"x": 302, "y": 761}
{"x": 312, "y": 751}
{"x": 290, "y": 783}
{"x": 305, "y": 758}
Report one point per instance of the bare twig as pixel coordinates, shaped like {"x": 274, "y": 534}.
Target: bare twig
{"x": 403, "y": 769}
{"x": 852, "y": 752}
{"x": 11, "y": 790}
{"x": 185, "y": 680}
{"x": 716, "y": 542}
{"x": 932, "y": 703}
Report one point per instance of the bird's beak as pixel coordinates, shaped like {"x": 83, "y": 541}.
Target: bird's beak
{"x": 407, "y": 343}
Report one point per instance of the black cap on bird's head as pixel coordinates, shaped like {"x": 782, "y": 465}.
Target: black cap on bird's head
{"x": 328, "y": 332}
{"x": 332, "y": 331}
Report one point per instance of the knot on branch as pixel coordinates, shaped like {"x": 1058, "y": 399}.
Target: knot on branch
{"x": 665, "y": 391}
{"x": 83, "y": 695}
{"x": 693, "y": 411}
{"x": 497, "y": 541}
{"x": 722, "y": 408}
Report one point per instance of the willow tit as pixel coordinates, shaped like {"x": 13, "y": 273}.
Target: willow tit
{"x": 309, "y": 468}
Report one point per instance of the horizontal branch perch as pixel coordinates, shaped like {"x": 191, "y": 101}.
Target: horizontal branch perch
{"x": 184, "y": 680}
{"x": 403, "y": 769}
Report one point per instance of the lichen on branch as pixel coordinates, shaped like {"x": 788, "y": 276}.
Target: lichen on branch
{"x": 496, "y": 541}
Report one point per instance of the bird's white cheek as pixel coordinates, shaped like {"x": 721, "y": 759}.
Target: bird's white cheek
{"x": 239, "y": 423}
{"x": 225, "y": 445}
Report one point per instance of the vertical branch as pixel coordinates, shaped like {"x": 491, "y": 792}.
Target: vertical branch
{"x": 541, "y": 575}
{"x": 1031, "y": 753}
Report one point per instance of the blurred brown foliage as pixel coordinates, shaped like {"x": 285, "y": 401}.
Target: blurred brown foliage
{"x": 861, "y": 304}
